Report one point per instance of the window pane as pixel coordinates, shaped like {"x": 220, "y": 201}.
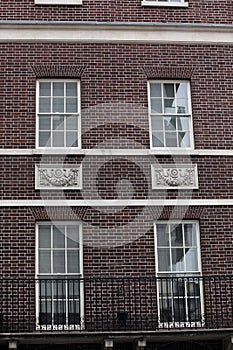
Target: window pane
{"x": 164, "y": 259}
{"x": 71, "y": 139}
{"x": 71, "y": 89}
{"x": 44, "y": 89}
{"x": 169, "y": 106}
{"x": 72, "y": 123}
{"x": 44, "y": 261}
{"x": 44, "y": 236}
{"x": 177, "y": 260}
{"x": 58, "y": 122}
{"x": 170, "y": 123}
{"x": 58, "y": 139}
{"x": 73, "y": 261}
{"x": 176, "y": 236}
{"x": 171, "y": 139}
{"x": 45, "y": 122}
{"x": 71, "y": 105}
{"x": 44, "y": 105}
{"x": 58, "y": 89}
{"x": 183, "y": 123}
{"x": 59, "y": 261}
{"x": 182, "y": 106}
{"x": 156, "y": 106}
{"x": 59, "y": 236}
{"x": 44, "y": 139}
{"x": 190, "y": 235}
{"x": 72, "y": 237}
{"x": 155, "y": 90}
{"x": 181, "y": 90}
{"x": 157, "y": 139}
{"x": 191, "y": 259}
{"x": 58, "y": 105}
{"x": 179, "y": 310}
{"x": 157, "y": 123}
{"x": 184, "y": 139}
{"x": 194, "y": 309}
{"x": 162, "y": 235}
{"x": 168, "y": 90}
{"x": 165, "y": 310}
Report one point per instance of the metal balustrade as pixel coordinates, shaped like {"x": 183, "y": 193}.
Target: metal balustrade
{"x": 121, "y": 304}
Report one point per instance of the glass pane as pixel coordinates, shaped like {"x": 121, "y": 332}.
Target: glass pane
{"x": 58, "y": 105}
{"x": 44, "y": 139}
{"x": 58, "y": 139}
{"x": 183, "y": 123}
{"x": 58, "y": 89}
{"x": 191, "y": 259}
{"x": 190, "y": 235}
{"x": 72, "y": 123}
{"x": 74, "y": 288}
{"x": 165, "y": 306}
{"x": 169, "y": 106}
{"x": 182, "y": 90}
{"x": 168, "y": 90}
{"x": 176, "y": 236}
{"x": 178, "y": 287}
{"x": 44, "y": 261}
{"x": 59, "y": 236}
{"x": 171, "y": 139}
{"x": 157, "y": 139}
{"x": 177, "y": 260}
{"x": 58, "y": 122}
{"x": 184, "y": 139}
{"x": 156, "y": 105}
{"x": 45, "y": 288}
{"x": 157, "y": 123}
{"x": 164, "y": 259}
{"x": 162, "y": 235}
{"x": 73, "y": 261}
{"x": 44, "y": 236}
{"x": 44, "y": 89}
{"x": 72, "y": 237}
{"x": 165, "y": 287}
{"x": 45, "y": 306}
{"x": 59, "y": 288}
{"x": 59, "y": 261}
{"x": 194, "y": 309}
{"x": 179, "y": 310}
{"x": 182, "y": 106}
{"x": 193, "y": 287}
{"x": 71, "y": 89}
{"x": 155, "y": 90}
{"x": 45, "y": 122}
{"x": 71, "y": 139}
{"x": 170, "y": 123}
{"x": 44, "y": 105}
{"x": 71, "y": 105}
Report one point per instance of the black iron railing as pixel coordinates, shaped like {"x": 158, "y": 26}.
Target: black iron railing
{"x": 102, "y": 304}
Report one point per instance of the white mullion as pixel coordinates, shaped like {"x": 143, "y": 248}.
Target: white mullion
{"x": 163, "y": 114}
{"x": 176, "y": 114}
{"x": 51, "y": 113}
{"x": 65, "y": 113}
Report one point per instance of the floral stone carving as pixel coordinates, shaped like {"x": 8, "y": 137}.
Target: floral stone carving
{"x": 54, "y": 177}
{"x": 170, "y": 176}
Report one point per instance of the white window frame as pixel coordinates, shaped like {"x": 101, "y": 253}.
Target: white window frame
{"x": 183, "y": 274}
{"x": 58, "y": 113}
{"x": 58, "y": 2}
{"x": 164, "y": 3}
{"x": 53, "y": 326}
{"x": 170, "y": 81}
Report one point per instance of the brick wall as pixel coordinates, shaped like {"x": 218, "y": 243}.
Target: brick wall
{"x": 119, "y": 10}
{"x": 114, "y": 90}
{"x": 117, "y": 242}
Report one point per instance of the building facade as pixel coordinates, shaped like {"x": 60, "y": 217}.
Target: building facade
{"x": 117, "y": 174}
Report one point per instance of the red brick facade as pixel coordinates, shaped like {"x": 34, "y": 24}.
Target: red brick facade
{"x": 117, "y": 206}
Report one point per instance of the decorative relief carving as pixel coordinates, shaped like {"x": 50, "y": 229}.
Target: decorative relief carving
{"x": 58, "y": 177}
{"x": 170, "y": 176}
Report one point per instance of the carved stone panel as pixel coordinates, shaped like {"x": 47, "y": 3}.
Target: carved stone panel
{"x": 174, "y": 176}
{"x": 58, "y": 177}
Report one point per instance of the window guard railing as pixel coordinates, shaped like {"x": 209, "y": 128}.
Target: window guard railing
{"x": 107, "y": 304}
